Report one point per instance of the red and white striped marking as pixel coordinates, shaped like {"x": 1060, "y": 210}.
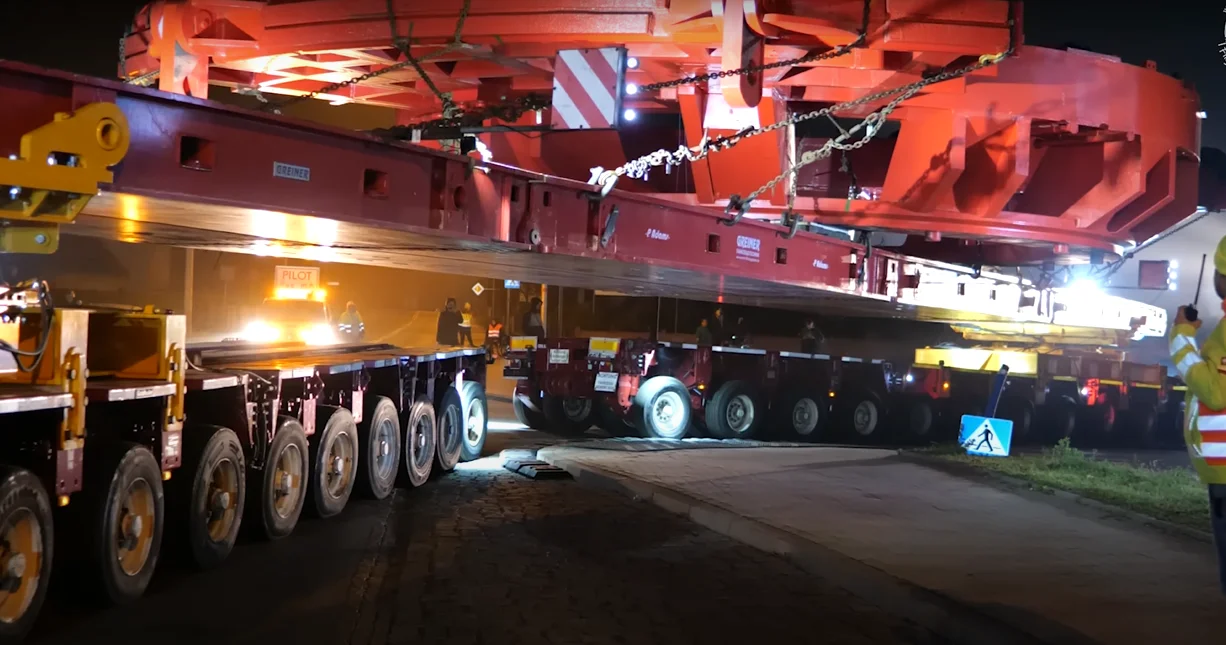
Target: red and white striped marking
{"x": 586, "y": 90}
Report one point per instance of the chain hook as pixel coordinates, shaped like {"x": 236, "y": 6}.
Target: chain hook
{"x": 791, "y": 219}
{"x": 736, "y": 207}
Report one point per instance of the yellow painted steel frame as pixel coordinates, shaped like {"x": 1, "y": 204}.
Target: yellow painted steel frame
{"x": 1020, "y": 362}
{"x": 72, "y": 429}
{"x": 58, "y": 170}
{"x": 177, "y": 362}
{"x": 135, "y": 345}
{"x": 69, "y": 329}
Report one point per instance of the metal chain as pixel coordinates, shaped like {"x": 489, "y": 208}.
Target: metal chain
{"x": 870, "y": 123}
{"x": 508, "y": 112}
{"x": 637, "y": 168}
{"x": 841, "y": 50}
{"x": 402, "y": 44}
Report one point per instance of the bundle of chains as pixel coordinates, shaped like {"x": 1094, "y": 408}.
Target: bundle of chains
{"x": 638, "y": 168}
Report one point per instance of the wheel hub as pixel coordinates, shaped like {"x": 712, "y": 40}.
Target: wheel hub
{"x": 804, "y": 416}
{"x": 21, "y": 563}
{"x": 863, "y": 418}
{"x": 667, "y": 413}
{"x": 15, "y": 567}
{"x": 740, "y": 414}
{"x": 223, "y": 495}
{"x": 576, "y": 409}
{"x": 133, "y": 543}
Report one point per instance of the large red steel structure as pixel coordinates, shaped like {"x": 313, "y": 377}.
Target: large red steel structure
{"x": 202, "y": 175}
{"x": 1043, "y": 157}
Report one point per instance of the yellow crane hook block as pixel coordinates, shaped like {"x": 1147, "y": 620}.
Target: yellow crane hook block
{"x": 55, "y": 175}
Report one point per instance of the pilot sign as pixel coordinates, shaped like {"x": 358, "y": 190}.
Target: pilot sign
{"x": 290, "y": 277}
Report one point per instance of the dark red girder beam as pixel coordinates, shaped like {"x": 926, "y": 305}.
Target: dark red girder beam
{"x": 209, "y": 176}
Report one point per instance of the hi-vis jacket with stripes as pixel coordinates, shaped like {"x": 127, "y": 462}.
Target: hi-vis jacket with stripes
{"x": 1204, "y": 372}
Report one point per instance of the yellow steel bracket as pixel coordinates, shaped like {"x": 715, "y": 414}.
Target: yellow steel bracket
{"x": 56, "y": 174}
{"x": 72, "y": 429}
{"x": 178, "y": 375}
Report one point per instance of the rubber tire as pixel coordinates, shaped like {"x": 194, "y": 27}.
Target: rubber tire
{"x": 646, "y": 397}
{"x": 715, "y": 411}
{"x": 378, "y": 410}
{"x": 449, "y": 413}
{"x": 264, "y": 516}
{"x": 529, "y": 417}
{"x": 474, "y": 394}
{"x": 113, "y": 468}
{"x": 872, "y": 405}
{"x": 1021, "y": 412}
{"x": 1142, "y": 425}
{"x": 562, "y": 423}
{"x": 187, "y": 504}
{"x": 613, "y": 423}
{"x": 20, "y": 489}
{"x": 785, "y": 415}
{"x": 1062, "y": 422}
{"x": 332, "y": 424}
{"x": 410, "y": 474}
{"x": 920, "y": 419}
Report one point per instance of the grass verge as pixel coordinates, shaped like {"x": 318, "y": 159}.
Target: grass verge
{"x": 1176, "y": 495}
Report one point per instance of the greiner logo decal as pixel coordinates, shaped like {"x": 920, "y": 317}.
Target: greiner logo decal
{"x": 656, "y": 234}
{"x": 748, "y": 248}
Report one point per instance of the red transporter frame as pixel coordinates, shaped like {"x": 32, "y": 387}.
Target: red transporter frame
{"x": 198, "y": 174}
{"x": 1073, "y": 396}
{"x": 725, "y": 392}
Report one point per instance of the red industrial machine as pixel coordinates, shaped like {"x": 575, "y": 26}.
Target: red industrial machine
{"x": 1042, "y": 156}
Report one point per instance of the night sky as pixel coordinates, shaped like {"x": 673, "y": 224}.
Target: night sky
{"x": 1182, "y": 36}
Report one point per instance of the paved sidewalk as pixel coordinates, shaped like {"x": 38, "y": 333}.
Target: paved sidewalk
{"x": 1058, "y": 572}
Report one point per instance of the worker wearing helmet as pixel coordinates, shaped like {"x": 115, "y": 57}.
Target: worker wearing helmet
{"x": 1203, "y": 369}
{"x": 351, "y": 326}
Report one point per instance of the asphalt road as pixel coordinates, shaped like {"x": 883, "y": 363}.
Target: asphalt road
{"x": 486, "y": 556}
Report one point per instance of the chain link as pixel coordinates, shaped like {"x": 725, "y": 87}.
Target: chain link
{"x": 841, "y": 50}
{"x": 637, "y": 168}
{"x": 870, "y": 124}
{"x": 508, "y": 112}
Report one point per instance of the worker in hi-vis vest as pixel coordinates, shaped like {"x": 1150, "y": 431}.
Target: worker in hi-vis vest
{"x": 1203, "y": 369}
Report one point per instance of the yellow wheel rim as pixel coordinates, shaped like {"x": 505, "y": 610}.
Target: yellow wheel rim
{"x": 221, "y": 499}
{"x": 339, "y": 468}
{"x": 287, "y": 481}
{"x": 21, "y": 563}
{"x": 134, "y": 522}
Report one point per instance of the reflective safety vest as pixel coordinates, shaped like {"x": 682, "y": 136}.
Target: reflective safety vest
{"x": 350, "y": 323}
{"x": 1204, "y": 372}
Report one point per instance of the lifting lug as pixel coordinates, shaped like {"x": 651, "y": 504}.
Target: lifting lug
{"x": 791, "y": 220}
{"x": 58, "y": 170}
{"x": 736, "y": 208}
{"x": 610, "y": 227}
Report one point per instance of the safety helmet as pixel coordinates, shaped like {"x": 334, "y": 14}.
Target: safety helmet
{"x": 1219, "y": 257}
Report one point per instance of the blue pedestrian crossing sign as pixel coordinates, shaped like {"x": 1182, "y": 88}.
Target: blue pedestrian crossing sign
{"x": 986, "y": 437}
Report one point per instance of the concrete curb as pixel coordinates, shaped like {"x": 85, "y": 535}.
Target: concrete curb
{"x": 951, "y": 619}
{"x": 1013, "y": 484}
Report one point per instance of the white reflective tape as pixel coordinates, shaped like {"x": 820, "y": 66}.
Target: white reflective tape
{"x": 1180, "y": 342}
{"x": 1213, "y": 449}
{"x": 590, "y": 81}
{"x": 1186, "y": 363}
{"x": 566, "y": 107}
{"x": 1211, "y": 422}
